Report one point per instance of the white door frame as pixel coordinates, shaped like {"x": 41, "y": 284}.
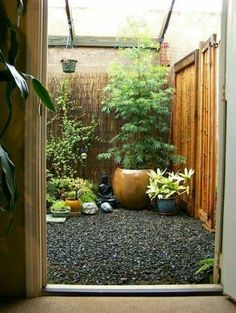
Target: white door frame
{"x": 229, "y": 214}
{"x": 35, "y": 177}
{"x": 221, "y": 151}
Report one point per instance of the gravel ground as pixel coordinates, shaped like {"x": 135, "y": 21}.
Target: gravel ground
{"x": 127, "y": 247}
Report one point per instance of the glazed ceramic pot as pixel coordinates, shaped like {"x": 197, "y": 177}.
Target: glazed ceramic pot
{"x": 75, "y": 205}
{"x": 129, "y": 187}
{"x": 166, "y": 206}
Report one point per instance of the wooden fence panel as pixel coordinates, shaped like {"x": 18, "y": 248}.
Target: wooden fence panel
{"x": 87, "y": 91}
{"x": 194, "y": 127}
{"x": 206, "y": 188}
{"x": 184, "y": 117}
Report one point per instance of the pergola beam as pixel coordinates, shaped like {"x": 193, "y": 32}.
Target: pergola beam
{"x": 70, "y": 22}
{"x": 166, "y": 23}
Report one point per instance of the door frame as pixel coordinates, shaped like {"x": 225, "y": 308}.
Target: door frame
{"x": 35, "y": 164}
{"x": 229, "y": 214}
{"x": 35, "y": 180}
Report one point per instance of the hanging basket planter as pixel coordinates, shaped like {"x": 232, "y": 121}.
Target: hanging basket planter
{"x": 68, "y": 65}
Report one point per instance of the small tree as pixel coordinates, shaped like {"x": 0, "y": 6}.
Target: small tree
{"x": 138, "y": 95}
{"x": 66, "y": 147}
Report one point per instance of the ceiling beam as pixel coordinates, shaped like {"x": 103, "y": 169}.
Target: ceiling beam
{"x": 93, "y": 41}
{"x": 70, "y": 22}
{"x": 166, "y": 23}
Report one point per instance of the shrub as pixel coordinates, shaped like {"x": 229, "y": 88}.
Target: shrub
{"x": 70, "y": 188}
{"x": 138, "y": 95}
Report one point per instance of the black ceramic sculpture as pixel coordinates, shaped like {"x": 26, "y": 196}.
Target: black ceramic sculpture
{"x": 105, "y": 192}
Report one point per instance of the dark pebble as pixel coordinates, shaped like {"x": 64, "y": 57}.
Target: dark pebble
{"x": 127, "y": 247}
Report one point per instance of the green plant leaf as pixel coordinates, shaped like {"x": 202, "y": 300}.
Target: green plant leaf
{"x": 43, "y": 94}
{"x": 5, "y": 24}
{"x": 2, "y": 59}
{"x": 8, "y": 179}
{"x": 19, "y": 12}
{"x": 206, "y": 265}
{"x": 10, "y": 86}
{"x": 19, "y": 80}
{"x": 13, "y": 47}
{"x": 5, "y": 76}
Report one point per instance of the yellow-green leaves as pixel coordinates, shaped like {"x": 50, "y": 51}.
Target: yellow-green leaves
{"x": 164, "y": 184}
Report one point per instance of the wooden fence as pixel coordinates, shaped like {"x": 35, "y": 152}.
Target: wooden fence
{"x": 184, "y": 116}
{"x": 194, "y": 127}
{"x": 87, "y": 91}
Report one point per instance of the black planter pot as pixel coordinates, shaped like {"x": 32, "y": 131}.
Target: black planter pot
{"x": 166, "y": 206}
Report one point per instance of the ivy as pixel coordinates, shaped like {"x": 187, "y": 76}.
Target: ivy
{"x": 66, "y": 146}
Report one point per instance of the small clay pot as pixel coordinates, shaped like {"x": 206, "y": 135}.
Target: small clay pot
{"x": 75, "y": 205}
{"x": 130, "y": 186}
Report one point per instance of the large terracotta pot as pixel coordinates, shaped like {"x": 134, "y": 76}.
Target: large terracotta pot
{"x": 130, "y": 187}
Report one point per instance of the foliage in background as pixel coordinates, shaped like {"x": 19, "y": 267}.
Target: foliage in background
{"x": 59, "y": 206}
{"x": 67, "y": 146}
{"x": 70, "y": 188}
{"x": 138, "y": 95}
{"x": 12, "y": 79}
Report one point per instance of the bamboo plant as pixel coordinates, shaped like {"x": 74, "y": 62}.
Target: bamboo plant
{"x": 138, "y": 96}
{"x": 12, "y": 78}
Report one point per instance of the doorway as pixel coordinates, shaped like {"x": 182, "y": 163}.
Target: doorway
{"x": 42, "y": 236}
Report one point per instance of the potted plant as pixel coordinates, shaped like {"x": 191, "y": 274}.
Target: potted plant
{"x": 68, "y": 65}
{"x": 60, "y": 209}
{"x": 12, "y": 78}
{"x": 73, "y": 191}
{"x": 137, "y": 95}
{"x": 73, "y": 200}
{"x": 79, "y": 191}
{"x": 166, "y": 187}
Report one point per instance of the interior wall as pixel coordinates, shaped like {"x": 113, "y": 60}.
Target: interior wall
{"x": 12, "y": 247}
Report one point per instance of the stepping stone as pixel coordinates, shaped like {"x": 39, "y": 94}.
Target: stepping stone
{"x": 51, "y": 219}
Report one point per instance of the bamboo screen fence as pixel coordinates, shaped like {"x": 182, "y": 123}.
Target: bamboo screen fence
{"x": 184, "y": 116}
{"x": 194, "y": 127}
{"x": 87, "y": 91}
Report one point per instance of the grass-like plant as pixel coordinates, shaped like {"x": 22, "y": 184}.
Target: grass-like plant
{"x": 206, "y": 266}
